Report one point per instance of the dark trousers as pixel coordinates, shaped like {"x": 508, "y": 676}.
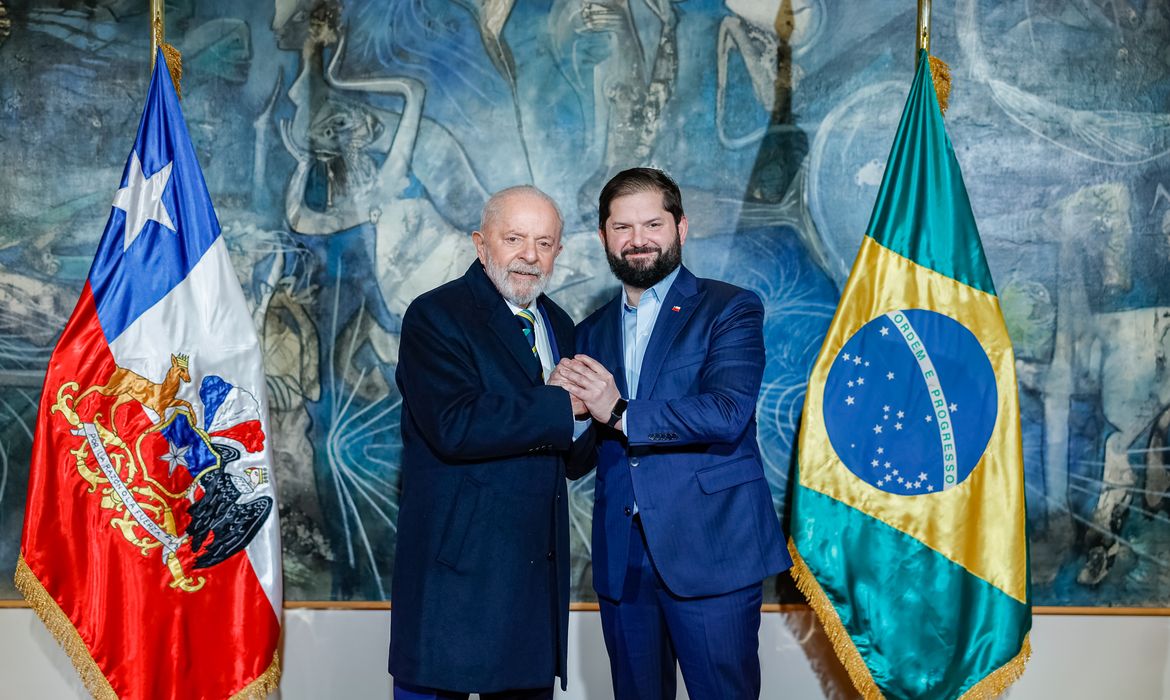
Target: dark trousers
{"x": 714, "y": 640}
{"x": 402, "y": 691}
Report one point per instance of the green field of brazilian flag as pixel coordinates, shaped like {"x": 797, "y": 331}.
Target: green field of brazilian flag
{"x": 908, "y": 520}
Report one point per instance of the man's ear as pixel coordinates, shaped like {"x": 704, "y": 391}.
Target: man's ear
{"x": 478, "y": 239}
{"x": 682, "y": 229}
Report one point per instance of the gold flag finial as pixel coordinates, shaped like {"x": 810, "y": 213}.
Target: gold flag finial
{"x": 170, "y": 53}
{"x": 940, "y": 72}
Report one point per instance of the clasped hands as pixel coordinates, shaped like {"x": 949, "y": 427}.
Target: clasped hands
{"x": 591, "y": 387}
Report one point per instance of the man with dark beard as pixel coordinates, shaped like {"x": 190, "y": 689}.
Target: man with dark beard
{"x": 684, "y": 529}
{"x": 481, "y": 575}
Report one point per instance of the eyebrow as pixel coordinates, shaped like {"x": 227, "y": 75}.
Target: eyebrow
{"x": 616, "y": 222}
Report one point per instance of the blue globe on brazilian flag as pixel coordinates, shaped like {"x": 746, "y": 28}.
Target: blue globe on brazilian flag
{"x": 908, "y": 519}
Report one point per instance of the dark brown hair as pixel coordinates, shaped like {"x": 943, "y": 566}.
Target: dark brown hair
{"x": 637, "y": 180}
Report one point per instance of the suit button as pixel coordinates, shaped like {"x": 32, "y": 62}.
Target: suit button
{"x": 633, "y": 461}
{"x": 549, "y": 556}
{"x": 627, "y": 510}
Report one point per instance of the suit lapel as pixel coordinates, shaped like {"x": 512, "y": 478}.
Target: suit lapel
{"x": 503, "y": 322}
{"x": 684, "y": 294}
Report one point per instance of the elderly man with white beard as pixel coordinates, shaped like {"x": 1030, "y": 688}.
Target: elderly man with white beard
{"x": 481, "y": 575}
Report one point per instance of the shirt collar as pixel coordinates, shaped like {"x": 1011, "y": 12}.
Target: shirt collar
{"x": 657, "y": 292}
{"x": 517, "y": 309}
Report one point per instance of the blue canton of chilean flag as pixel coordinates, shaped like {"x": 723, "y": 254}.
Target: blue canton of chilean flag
{"x": 151, "y": 544}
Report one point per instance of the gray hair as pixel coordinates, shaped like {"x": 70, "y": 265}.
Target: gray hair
{"x": 491, "y": 209}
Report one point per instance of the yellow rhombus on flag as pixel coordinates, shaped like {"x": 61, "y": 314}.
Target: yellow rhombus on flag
{"x": 908, "y": 520}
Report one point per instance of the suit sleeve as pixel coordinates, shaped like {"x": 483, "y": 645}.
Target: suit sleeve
{"x": 441, "y": 387}
{"x": 582, "y": 455}
{"x": 729, "y": 385}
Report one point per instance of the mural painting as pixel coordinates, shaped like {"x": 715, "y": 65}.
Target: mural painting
{"x": 349, "y": 146}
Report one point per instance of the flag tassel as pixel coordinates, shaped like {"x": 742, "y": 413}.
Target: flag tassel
{"x": 834, "y": 629}
{"x": 940, "y": 75}
{"x": 62, "y": 629}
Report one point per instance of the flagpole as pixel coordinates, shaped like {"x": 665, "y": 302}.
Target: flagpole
{"x": 923, "y": 26}
{"x": 157, "y": 28}
{"x": 940, "y": 72}
{"x": 157, "y": 41}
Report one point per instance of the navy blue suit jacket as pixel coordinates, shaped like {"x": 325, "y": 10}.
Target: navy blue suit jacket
{"x": 691, "y": 457}
{"x": 481, "y": 576}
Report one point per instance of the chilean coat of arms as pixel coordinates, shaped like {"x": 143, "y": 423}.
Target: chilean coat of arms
{"x": 190, "y": 488}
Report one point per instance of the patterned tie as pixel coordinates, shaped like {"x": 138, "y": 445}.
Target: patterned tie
{"x": 528, "y": 323}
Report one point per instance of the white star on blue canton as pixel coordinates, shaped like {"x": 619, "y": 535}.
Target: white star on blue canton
{"x": 922, "y": 476}
{"x": 873, "y": 463}
{"x": 885, "y": 331}
{"x": 877, "y": 429}
{"x": 954, "y": 408}
{"x": 141, "y": 199}
{"x": 845, "y": 356}
{"x": 857, "y": 359}
{"x": 901, "y": 414}
{"x": 929, "y": 419}
{"x": 848, "y": 400}
{"x": 881, "y": 450}
{"x": 889, "y": 375}
{"x": 886, "y": 408}
{"x": 897, "y": 426}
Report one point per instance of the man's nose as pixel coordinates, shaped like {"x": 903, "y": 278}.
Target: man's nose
{"x": 638, "y": 238}
{"x": 528, "y": 252}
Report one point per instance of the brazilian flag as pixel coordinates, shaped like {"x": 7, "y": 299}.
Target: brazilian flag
{"x": 908, "y": 522}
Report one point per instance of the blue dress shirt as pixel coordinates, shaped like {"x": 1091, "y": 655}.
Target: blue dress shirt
{"x": 637, "y": 327}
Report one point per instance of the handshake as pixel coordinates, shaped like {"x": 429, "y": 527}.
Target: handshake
{"x": 591, "y": 387}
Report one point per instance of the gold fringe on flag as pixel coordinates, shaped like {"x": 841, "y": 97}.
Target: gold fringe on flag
{"x": 940, "y": 73}
{"x": 834, "y": 629}
{"x": 264, "y": 685}
{"x": 990, "y": 687}
{"x": 62, "y": 629}
{"x": 997, "y": 681}
{"x": 173, "y": 58}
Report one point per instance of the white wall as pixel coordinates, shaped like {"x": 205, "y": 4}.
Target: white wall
{"x": 340, "y": 653}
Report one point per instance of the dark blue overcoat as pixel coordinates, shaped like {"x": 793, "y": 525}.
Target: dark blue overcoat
{"x": 481, "y": 576}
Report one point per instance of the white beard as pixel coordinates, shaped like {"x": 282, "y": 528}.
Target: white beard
{"x": 518, "y": 292}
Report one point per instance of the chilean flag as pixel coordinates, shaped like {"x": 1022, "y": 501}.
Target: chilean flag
{"x": 151, "y": 545}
